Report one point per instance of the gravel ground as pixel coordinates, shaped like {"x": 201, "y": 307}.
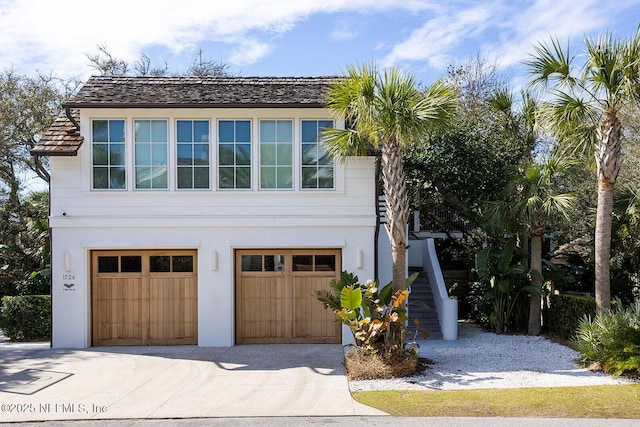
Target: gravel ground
{"x": 481, "y": 359}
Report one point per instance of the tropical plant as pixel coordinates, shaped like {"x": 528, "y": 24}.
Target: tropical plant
{"x": 611, "y": 338}
{"x": 584, "y": 114}
{"x": 375, "y": 315}
{"x": 508, "y": 282}
{"x": 388, "y": 112}
{"x": 538, "y": 196}
{"x": 539, "y": 200}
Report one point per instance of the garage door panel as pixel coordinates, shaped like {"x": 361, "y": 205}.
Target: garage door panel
{"x": 155, "y": 306}
{"x": 261, "y": 301}
{"x": 312, "y": 320}
{"x": 118, "y": 311}
{"x": 173, "y": 311}
{"x": 277, "y": 304}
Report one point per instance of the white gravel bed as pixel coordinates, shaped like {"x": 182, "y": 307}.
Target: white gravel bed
{"x": 480, "y": 359}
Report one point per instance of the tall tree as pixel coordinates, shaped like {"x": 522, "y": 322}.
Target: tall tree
{"x": 386, "y": 111}
{"x": 584, "y": 113}
{"x": 536, "y": 192}
{"x": 28, "y": 106}
{"x": 540, "y": 200}
{"x": 458, "y": 169}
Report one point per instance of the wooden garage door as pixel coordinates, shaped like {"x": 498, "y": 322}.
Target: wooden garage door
{"x": 275, "y": 300}
{"x": 144, "y": 297}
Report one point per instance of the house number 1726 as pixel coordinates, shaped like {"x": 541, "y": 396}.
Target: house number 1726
{"x": 68, "y": 277}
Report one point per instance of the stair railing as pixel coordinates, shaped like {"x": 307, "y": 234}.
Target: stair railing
{"x": 446, "y": 307}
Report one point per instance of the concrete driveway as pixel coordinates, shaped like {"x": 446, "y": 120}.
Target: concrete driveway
{"x": 39, "y": 383}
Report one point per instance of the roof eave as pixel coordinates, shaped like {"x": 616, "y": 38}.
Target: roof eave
{"x": 191, "y": 105}
{"x": 43, "y": 152}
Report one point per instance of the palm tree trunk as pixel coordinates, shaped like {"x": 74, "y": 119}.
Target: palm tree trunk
{"x": 603, "y": 245}
{"x": 535, "y": 301}
{"x": 608, "y": 161}
{"x": 395, "y": 192}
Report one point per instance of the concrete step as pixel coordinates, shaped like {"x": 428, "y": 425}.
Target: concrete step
{"x": 427, "y": 317}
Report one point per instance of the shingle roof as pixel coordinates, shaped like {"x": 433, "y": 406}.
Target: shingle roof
{"x": 198, "y": 92}
{"x": 61, "y": 139}
{"x": 179, "y": 92}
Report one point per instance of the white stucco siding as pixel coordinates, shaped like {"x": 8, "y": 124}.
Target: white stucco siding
{"x": 214, "y": 245}
{"x": 71, "y": 177}
{"x": 213, "y": 222}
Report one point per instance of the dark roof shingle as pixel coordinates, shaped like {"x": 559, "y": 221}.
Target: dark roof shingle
{"x": 179, "y": 92}
{"x": 198, "y": 92}
{"x": 61, "y": 139}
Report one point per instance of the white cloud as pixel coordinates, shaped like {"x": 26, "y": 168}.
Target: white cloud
{"x": 56, "y": 35}
{"x": 503, "y": 31}
{"x": 344, "y": 30}
{"x": 249, "y": 51}
{"x": 434, "y": 41}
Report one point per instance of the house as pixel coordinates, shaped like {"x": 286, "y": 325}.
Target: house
{"x": 201, "y": 210}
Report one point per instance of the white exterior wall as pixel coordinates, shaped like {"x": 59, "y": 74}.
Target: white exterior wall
{"x": 214, "y": 222}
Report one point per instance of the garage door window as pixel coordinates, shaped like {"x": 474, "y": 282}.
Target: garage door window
{"x": 314, "y": 263}
{"x": 171, "y": 264}
{"x": 130, "y": 264}
{"x": 122, "y": 264}
{"x": 108, "y": 264}
{"x": 262, "y": 262}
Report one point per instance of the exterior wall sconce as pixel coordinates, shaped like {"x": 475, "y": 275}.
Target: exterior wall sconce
{"x": 214, "y": 260}
{"x": 67, "y": 262}
{"x": 359, "y": 258}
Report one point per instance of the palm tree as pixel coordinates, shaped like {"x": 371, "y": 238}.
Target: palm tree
{"x": 537, "y": 200}
{"x": 386, "y": 111}
{"x": 536, "y": 197}
{"x": 540, "y": 202}
{"x": 584, "y": 114}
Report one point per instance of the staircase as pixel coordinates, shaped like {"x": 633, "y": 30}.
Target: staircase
{"x": 428, "y": 317}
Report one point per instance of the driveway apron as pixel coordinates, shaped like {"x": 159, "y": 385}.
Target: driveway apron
{"x": 39, "y": 383}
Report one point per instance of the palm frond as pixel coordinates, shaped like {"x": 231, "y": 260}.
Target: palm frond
{"x": 550, "y": 64}
{"x": 573, "y": 121}
{"x": 344, "y": 143}
{"x": 502, "y": 100}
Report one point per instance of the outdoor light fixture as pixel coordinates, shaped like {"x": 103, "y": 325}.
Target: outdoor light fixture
{"x": 359, "y": 259}
{"x": 67, "y": 262}
{"x": 214, "y": 260}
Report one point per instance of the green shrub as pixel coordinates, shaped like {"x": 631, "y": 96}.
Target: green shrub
{"x": 26, "y": 317}
{"x": 612, "y": 339}
{"x": 565, "y": 312}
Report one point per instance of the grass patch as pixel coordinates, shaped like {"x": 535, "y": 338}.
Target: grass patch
{"x": 615, "y": 401}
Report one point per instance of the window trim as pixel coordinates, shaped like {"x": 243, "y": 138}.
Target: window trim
{"x": 167, "y": 151}
{"x": 92, "y": 187}
{"x": 253, "y": 117}
{"x": 211, "y": 145}
{"x": 251, "y": 121}
{"x": 293, "y": 154}
{"x": 300, "y": 154}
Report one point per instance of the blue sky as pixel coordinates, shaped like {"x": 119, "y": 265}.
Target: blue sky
{"x": 297, "y": 37}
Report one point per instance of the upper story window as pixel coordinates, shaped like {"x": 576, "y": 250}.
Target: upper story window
{"x": 193, "y": 154}
{"x": 276, "y": 154}
{"x": 108, "y": 154}
{"x": 234, "y": 154}
{"x": 317, "y": 165}
{"x": 151, "y": 168}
